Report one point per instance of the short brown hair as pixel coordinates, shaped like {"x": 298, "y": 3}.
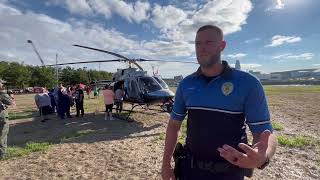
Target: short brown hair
{"x": 215, "y": 28}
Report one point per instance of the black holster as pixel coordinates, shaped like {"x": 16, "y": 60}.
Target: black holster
{"x": 181, "y": 154}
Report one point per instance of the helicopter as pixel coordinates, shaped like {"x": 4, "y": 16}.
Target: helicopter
{"x": 140, "y": 88}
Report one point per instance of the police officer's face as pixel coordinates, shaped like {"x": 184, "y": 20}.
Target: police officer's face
{"x": 209, "y": 46}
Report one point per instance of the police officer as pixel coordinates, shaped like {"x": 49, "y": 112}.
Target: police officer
{"x": 220, "y": 101}
{"x": 5, "y": 101}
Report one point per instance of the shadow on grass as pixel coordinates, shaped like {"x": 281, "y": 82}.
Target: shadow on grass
{"x": 23, "y": 115}
{"x": 30, "y": 136}
{"x": 91, "y": 128}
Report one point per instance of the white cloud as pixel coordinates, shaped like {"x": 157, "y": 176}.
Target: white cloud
{"x": 252, "y": 40}
{"x": 52, "y": 36}
{"x": 230, "y": 15}
{"x": 131, "y": 11}
{"x": 73, "y": 6}
{"x": 174, "y": 23}
{"x": 237, "y": 56}
{"x": 8, "y": 11}
{"x": 137, "y": 11}
{"x": 248, "y": 66}
{"x": 165, "y": 48}
{"x": 279, "y": 4}
{"x": 79, "y": 6}
{"x": 304, "y": 56}
{"x": 316, "y": 65}
{"x": 167, "y": 17}
{"x": 278, "y": 40}
{"x": 276, "y": 5}
{"x": 227, "y": 14}
{"x": 169, "y": 70}
{"x": 186, "y": 4}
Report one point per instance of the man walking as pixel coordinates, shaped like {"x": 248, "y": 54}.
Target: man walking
{"x": 79, "y": 97}
{"x": 5, "y": 101}
{"x": 119, "y": 94}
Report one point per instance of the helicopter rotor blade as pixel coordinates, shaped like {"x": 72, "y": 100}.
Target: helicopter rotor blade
{"x": 112, "y": 53}
{"x": 101, "y": 50}
{"x": 142, "y": 60}
{"x": 86, "y": 62}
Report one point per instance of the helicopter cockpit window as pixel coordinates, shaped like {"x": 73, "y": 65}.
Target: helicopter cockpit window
{"x": 161, "y": 82}
{"x": 150, "y": 84}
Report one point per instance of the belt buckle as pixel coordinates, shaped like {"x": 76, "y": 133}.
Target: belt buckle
{"x": 213, "y": 167}
{"x": 221, "y": 167}
{"x": 208, "y": 166}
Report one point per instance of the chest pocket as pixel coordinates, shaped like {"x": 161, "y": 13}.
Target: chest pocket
{"x": 191, "y": 93}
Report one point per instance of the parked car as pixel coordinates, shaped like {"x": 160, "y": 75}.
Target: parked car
{"x": 17, "y": 91}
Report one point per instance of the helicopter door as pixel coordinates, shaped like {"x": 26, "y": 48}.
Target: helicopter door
{"x": 133, "y": 89}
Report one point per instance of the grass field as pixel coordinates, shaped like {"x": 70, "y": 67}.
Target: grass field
{"x": 119, "y": 150}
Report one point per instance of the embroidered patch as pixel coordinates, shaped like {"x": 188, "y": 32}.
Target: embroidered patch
{"x": 227, "y": 88}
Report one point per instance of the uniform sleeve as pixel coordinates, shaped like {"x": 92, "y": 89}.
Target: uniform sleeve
{"x": 6, "y": 99}
{"x": 179, "y": 110}
{"x": 256, "y": 109}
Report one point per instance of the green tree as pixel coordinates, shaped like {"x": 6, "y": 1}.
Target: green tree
{"x": 66, "y": 75}
{"x": 17, "y": 75}
{"x": 42, "y": 76}
{"x": 3, "y": 65}
{"x": 20, "y": 75}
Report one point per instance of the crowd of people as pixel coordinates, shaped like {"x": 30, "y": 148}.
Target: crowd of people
{"x": 60, "y": 100}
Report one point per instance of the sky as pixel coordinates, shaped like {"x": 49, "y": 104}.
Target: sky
{"x": 265, "y": 35}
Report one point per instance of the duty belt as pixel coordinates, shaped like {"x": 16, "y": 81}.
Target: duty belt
{"x": 219, "y": 167}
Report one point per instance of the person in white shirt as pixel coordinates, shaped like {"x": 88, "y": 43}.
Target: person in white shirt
{"x": 119, "y": 99}
{"x": 43, "y": 103}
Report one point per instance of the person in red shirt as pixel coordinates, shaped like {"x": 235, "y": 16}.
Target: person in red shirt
{"x": 108, "y": 95}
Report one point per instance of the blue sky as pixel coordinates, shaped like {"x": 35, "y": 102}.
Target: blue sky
{"x": 265, "y": 35}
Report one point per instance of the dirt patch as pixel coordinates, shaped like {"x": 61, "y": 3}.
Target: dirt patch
{"x": 122, "y": 150}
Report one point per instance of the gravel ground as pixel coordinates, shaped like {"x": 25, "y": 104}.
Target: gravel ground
{"x": 122, "y": 150}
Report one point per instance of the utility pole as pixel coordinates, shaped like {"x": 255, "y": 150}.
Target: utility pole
{"x": 57, "y": 72}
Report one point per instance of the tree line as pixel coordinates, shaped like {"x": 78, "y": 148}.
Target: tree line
{"x": 19, "y": 75}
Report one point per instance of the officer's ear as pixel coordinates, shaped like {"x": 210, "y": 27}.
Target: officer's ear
{"x": 223, "y": 45}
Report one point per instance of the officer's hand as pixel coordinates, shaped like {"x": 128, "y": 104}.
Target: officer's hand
{"x": 253, "y": 157}
{"x": 167, "y": 172}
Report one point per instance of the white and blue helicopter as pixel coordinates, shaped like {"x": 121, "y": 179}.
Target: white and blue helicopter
{"x": 140, "y": 88}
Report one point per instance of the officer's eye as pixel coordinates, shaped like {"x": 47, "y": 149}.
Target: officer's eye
{"x": 210, "y": 43}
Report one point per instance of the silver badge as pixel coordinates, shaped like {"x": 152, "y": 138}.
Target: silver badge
{"x": 227, "y": 88}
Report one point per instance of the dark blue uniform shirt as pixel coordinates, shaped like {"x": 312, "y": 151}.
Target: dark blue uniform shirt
{"x": 219, "y": 109}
